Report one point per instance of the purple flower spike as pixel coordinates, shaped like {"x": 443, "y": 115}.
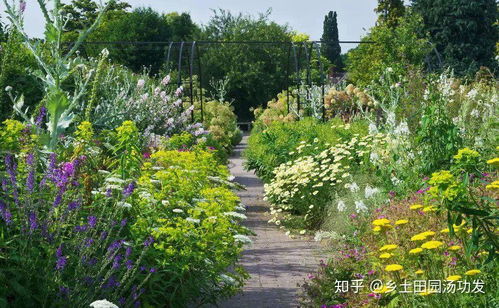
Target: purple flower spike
{"x": 5, "y": 213}
{"x": 128, "y": 251}
{"x": 22, "y": 6}
{"x": 61, "y": 260}
{"x": 149, "y": 241}
{"x": 129, "y": 189}
{"x": 129, "y": 264}
{"x": 63, "y": 292}
{"x": 117, "y": 260}
{"x": 30, "y": 181}
{"x": 92, "y": 221}
{"x": 73, "y": 205}
{"x": 115, "y": 245}
{"x": 40, "y": 117}
{"x": 81, "y": 228}
{"x": 89, "y": 242}
{"x": 32, "y": 222}
{"x": 58, "y": 198}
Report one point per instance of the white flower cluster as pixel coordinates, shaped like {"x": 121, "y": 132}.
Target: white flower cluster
{"x": 103, "y": 303}
{"x": 297, "y": 183}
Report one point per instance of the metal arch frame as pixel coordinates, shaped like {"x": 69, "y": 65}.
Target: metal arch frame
{"x": 200, "y": 82}
{"x": 308, "y": 47}
{"x": 297, "y": 71}
{"x": 191, "y": 71}
{"x": 287, "y": 75}
{"x": 308, "y": 58}
{"x": 181, "y": 49}
{"x": 168, "y": 54}
{"x": 323, "y": 78}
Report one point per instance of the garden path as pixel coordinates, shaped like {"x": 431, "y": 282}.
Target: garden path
{"x": 276, "y": 263}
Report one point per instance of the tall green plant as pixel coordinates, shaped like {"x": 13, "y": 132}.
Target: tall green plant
{"x": 464, "y": 32}
{"x": 331, "y": 44}
{"x": 399, "y": 48}
{"x": 55, "y": 70}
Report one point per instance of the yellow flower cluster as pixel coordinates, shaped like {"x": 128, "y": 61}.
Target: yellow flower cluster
{"x": 432, "y": 245}
{"x": 394, "y": 268}
{"x": 466, "y": 154}
{"x": 422, "y": 236}
{"x": 382, "y": 224}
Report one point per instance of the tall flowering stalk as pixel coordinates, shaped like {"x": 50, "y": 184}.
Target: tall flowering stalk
{"x": 54, "y": 72}
{"x": 74, "y": 248}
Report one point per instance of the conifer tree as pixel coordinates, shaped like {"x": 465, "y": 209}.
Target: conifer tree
{"x": 331, "y": 48}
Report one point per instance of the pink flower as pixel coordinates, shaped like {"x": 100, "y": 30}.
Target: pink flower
{"x": 165, "y": 80}
{"x": 179, "y": 91}
{"x": 22, "y": 6}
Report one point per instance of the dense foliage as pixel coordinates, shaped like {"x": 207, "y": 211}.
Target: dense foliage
{"x": 256, "y": 73}
{"x": 109, "y": 191}
{"x": 390, "y": 11}
{"x": 397, "y": 182}
{"x": 399, "y": 48}
{"x": 15, "y": 63}
{"x": 464, "y": 32}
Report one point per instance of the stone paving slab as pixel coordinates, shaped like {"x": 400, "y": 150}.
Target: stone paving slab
{"x": 277, "y": 264}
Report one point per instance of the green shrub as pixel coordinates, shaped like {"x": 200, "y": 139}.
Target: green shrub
{"x": 277, "y": 144}
{"x": 15, "y": 64}
{"x": 221, "y": 121}
{"x": 194, "y": 222}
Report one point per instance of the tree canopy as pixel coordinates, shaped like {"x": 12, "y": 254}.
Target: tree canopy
{"x": 331, "y": 45}
{"x": 398, "y": 48}
{"x": 464, "y": 32}
{"x": 390, "y": 11}
{"x": 256, "y": 73}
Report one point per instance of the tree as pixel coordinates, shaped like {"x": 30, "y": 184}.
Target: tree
{"x": 84, "y": 13}
{"x": 399, "y": 48}
{"x": 331, "y": 48}
{"x": 462, "y": 31}
{"x": 182, "y": 28}
{"x": 256, "y": 73}
{"x": 141, "y": 25}
{"x": 390, "y": 11}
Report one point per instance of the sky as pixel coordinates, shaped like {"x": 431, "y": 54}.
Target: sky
{"x": 355, "y": 17}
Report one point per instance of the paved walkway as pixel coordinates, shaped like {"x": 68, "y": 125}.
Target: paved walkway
{"x": 276, "y": 263}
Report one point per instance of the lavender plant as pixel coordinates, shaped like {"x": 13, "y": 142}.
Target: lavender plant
{"x": 62, "y": 245}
